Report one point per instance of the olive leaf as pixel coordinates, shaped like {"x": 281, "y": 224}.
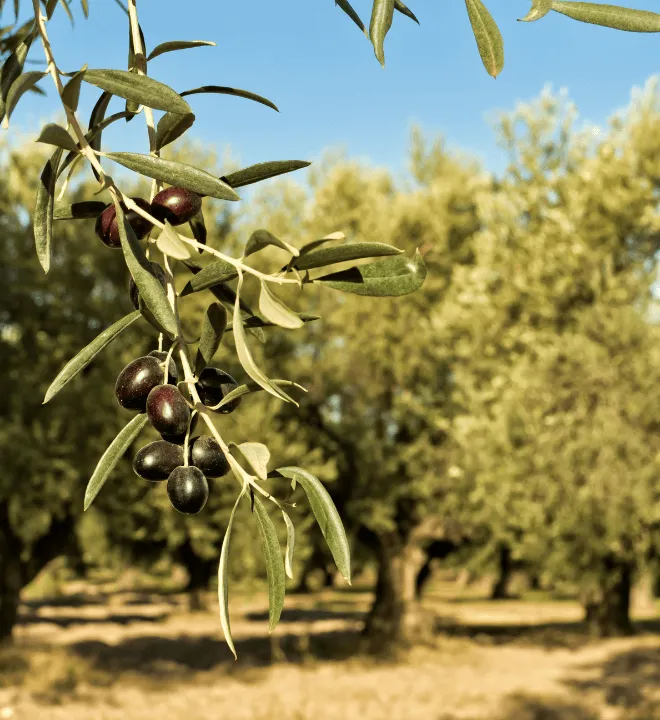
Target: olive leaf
{"x": 381, "y": 22}
{"x": 245, "y": 356}
{"x": 539, "y": 9}
{"x": 611, "y": 16}
{"x": 261, "y": 239}
{"x": 140, "y": 89}
{"x": 400, "y": 7}
{"x": 253, "y": 322}
{"x": 171, "y": 127}
{"x": 78, "y": 363}
{"x": 112, "y": 456}
{"x": 198, "y": 227}
{"x": 98, "y": 113}
{"x": 53, "y": 134}
{"x": 149, "y": 286}
{"x": 169, "y": 243}
{"x": 276, "y": 311}
{"x": 79, "y": 210}
{"x": 274, "y": 563}
{"x": 172, "y": 45}
{"x": 263, "y": 171}
{"x": 21, "y": 85}
{"x": 175, "y": 173}
{"x": 343, "y": 253}
{"x": 257, "y": 455}
{"x": 348, "y": 9}
{"x": 223, "y": 578}
{"x": 217, "y": 272}
{"x": 391, "y": 277}
{"x": 487, "y": 35}
{"x": 221, "y": 90}
{"x": 326, "y": 515}
{"x": 43, "y": 210}
{"x": 71, "y": 91}
{"x": 253, "y": 387}
{"x": 213, "y": 328}
{"x": 290, "y": 543}
{"x": 13, "y": 67}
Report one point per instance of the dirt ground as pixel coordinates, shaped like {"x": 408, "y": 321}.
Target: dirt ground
{"x": 95, "y": 654}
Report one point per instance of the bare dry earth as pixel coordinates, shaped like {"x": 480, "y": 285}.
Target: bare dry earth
{"x": 99, "y": 655}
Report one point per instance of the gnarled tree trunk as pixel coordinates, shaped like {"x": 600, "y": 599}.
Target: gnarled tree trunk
{"x": 396, "y": 618}
{"x": 607, "y": 607}
{"x": 500, "y": 589}
{"x": 16, "y": 572}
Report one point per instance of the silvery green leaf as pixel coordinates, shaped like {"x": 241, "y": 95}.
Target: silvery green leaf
{"x": 290, "y": 543}
{"x": 71, "y": 91}
{"x": 326, "y": 515}
{"x": 611, "y": 16}
{"x": 21, "y": 85}
{"x": 112, "y": 456}
{"x": 169, "y": 243}
{"x": 348, "y": 9}
{"x": 217, "y": 272}
{"x": 171, "y": 127}
{"x": 400, "y": 7}
{"x": 274, "y": 563}
{"x": 261, "y": 239}
{"x": 213, "y": 328}
{"x": 221, "y": 90}
{"x": 223, "y": 578}
{"x": 343, "y": 253}
{"x": 253, "y": 387}
{"x": 177, "y": 45}
{"x": 263, "y": 171}
{"x": 276, "y": 311}
{"x": 245, "y": 356}
{"x": 175, "y": 173}
{"x": 539, "y": 9}
{"x": 13, "y": 67}
{"x": 140, "y": 89}
{"x": 42, "y": 219}
{"x": 390, "y": 277}
{"x": 487, "y": 35}
{"x": 53, "y": 134}
{"x": 258, "y": 456}
{"x": 381, "y": 22}
{"x": 78, "y": 363}
{"x": 151, "y": 291}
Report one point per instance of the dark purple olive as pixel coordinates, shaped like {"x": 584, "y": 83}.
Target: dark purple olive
{"x": 167, "y": 410}
{"x": 136, "y": 381}
{"x": 176, "y": 205}
{"x": 207, "y": 455}
{"x": 107, "y": 229}
{"x": 132, "y": 287}
{"x": 173, "y": 373}
{"x": 187, "y": 490}
{"x": 180, "y": 439}
{"x": 213, "y": 385}
{"x": 156, "y": 460}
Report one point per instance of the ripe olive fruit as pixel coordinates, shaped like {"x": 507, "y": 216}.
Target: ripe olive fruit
{"x": 187, "y": 490}
{"x": 167, "y": 410}
{"x": 107, "y": 229}
{"x": 181, "y": 437}
{"x": 173, "y": 373}
{"x": 207, "y": 455}
{"x": 156, "y": 460}
{"x": 212, "y": 387}
{"x": 136, "y": 381}
{"x": 132, "y": 287}
{"x": 176, "y": 205}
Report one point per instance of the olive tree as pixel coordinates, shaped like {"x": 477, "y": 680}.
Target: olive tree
{"x": 170, "y": 388}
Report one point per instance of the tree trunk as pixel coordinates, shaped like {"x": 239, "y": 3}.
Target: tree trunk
{"x": 200, "y": 570}
{"x": 396, "y": 619}
{"x": 10, "y": 583}
{"x": 16, "y": 573}
{"x": 607, "y": 608}
{"x": 437, "y": 550}
{"x": 500, "y": 590}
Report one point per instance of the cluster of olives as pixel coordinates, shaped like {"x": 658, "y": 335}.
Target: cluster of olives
{"x": 141, "y": 386}
{"x": 174, "y": 204}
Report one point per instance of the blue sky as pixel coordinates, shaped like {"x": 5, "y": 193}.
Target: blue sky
{"x": 308, "y": 58}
